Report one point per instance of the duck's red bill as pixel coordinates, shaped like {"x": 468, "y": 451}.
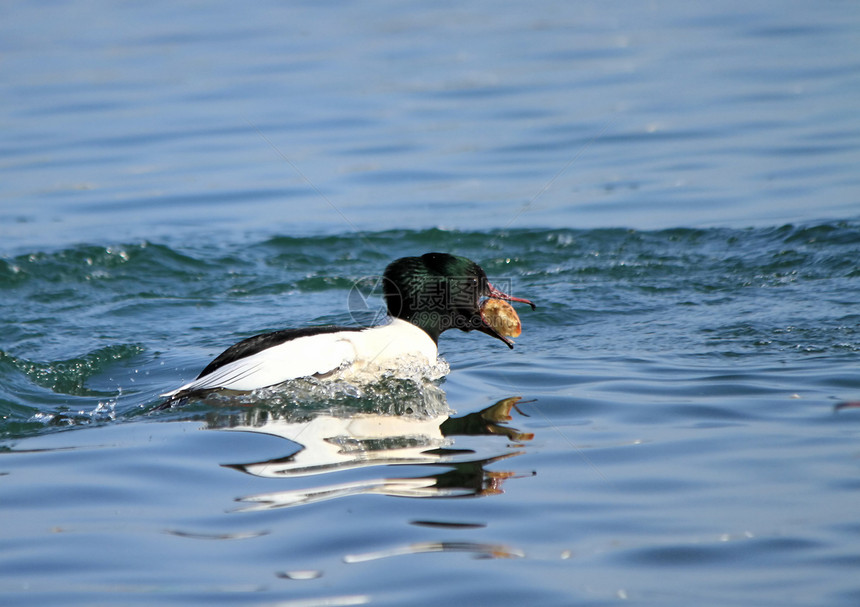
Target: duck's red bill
{"x": 496, "y": 294}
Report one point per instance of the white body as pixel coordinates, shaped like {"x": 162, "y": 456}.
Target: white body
{"x": 376, "y": 347}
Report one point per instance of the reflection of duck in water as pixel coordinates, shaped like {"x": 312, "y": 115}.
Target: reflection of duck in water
{"x": 329, "y": 442}
{"x": 424, "y": 295}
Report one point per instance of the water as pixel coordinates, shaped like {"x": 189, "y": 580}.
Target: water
{"x": 674, "y": 185}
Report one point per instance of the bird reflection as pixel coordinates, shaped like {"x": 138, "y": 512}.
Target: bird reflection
{"x": 344, "y": 438}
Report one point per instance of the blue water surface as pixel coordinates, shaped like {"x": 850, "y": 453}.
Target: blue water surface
{"x": 674, "y": 184}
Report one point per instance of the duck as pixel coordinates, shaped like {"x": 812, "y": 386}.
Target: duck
{"x": 424, "y": 295}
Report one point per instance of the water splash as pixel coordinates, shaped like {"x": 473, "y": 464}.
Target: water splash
{"x": 103, "y": 412}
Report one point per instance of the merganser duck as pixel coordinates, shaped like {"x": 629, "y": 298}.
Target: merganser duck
{"x": 425, "y": 296}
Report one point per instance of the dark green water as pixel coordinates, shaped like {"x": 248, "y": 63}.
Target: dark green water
{"x": 93, "y": 333}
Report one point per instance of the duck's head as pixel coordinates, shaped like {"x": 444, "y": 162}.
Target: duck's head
{"x": 439, "y": 291}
